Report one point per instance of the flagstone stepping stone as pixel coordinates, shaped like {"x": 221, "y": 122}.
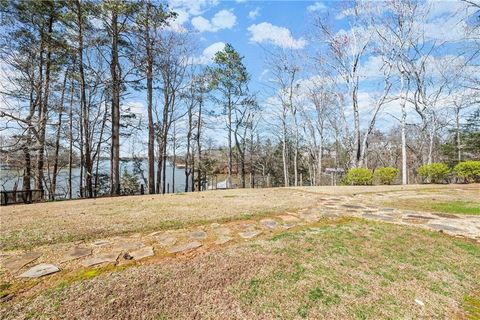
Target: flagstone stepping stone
{"x": 215, "y": 225}
{"x": 198, "y": 235}
{"x": 222, "y": 239}
{"x": 417, "y": 216}
{"x": 249, "y": 234}
{"x": 167, "y": 240}
{"x": 100, "y": 243}
{"x": 377, "y": 217}
{"x": 446, "y": 215}
{"x": 289, "y": 225}
{"x": 289, "y": 218}
{"x": 223, "y": 231}
{"x": 129, "y": 245}
{"x": 76, "y": 253}
{"x": 40, "y": 270}
{"x": 14, "y": 264}
{"x": 442, "y": 227}
{"x": 101, "y": 258}
{"x": 387, "y": 209}
{"x": 269, "y": 223}
{"x": 184, "y": 247}
{"x": 142, "y": 253}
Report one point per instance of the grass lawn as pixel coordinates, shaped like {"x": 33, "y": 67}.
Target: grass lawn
{"x": 454, "y": 206}
{"x": 337, "y": 269}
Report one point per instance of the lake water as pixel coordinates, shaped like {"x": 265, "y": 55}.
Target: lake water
{"x": 8, "y": 178}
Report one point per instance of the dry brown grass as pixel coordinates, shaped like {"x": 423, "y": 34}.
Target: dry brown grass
{"x": 346, "y": 269}
{"x": 27, "y": 226}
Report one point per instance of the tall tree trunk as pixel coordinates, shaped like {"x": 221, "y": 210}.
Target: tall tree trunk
{"x": 284, "y": 153}
{"x": 199, "y": 145}
{"x": 43, "y": 110}
{"x": 114, "y": 71}
{"x": 403, "y": 125}
{"x": 457, "y": 129}
{"x": 70, "y": 150}
{"x": 83, "y": 104}
{"x": 57, "y": 141}
{"x": 174, "y": 140}
{"x": 230, "y": 164}
{"x": 27, "y": 172}
{"x": 159, "y": 163}
{"x": 356, "y": 152}
{"x": 151, "y": 129}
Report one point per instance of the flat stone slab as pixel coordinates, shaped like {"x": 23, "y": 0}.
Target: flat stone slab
{"x": 16, "y": 263}
{"x": 129, "y": 245}
{"x": 417, "y": 216}
{"x": 101, "y": 258}
{"x": 446, "y": 215}
{"x": 442, "y": 227}
{"x": 197, "y": 235}
{"x": 223, "y": 231}
{"x": 40, "y": 270}
{"x": 184, "y": 247}
{"x": 269, "y": 223}
{"x": 222, "y": 239}
{"x": 387, "y": 209}
{"x": 142, "y": 253}
{"x": 77, "y": 253}
{"x": 167, "y": 240}
{"x": 249, "y": 234}
{"x": 377, "y": 217}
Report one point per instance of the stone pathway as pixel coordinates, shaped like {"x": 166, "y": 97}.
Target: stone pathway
{"x": 176, "y": 242}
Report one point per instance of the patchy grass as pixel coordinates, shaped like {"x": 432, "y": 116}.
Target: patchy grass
{"x": 460, "y": 207}
{"x": 28, "y": 226}
{"x": 343, "y": 269}
{"x": 366, "y": 270}
{"x": 433, "y": 205}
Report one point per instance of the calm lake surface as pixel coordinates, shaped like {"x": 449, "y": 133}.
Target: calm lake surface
{"x": 8, "y": 178}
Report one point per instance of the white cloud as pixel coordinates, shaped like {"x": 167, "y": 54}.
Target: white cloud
{"x": 254, "y": 13}
{"x": 268, "y": 33}
{"x": 178, "y": 24}
{"x": 208, "y": 53}
{"x": 317, "y": 6}
{"x": 224, "y": 19}
{"x": 193, "y": 7}
{"x": 186, "y": 9}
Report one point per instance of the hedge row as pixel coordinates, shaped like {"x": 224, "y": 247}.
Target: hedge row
{"x": 468, "y": 172}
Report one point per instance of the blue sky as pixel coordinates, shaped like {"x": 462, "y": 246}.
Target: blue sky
{"x": 251, "y": 26}
{"x": 248, "y": 26}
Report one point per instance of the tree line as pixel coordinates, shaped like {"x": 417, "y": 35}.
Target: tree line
{"x": 69, "y": 66}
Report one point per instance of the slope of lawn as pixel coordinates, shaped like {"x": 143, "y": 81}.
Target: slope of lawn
{"x": 337, "y": 269}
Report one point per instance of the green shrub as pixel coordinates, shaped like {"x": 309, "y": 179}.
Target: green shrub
{"x": 434, "y": 173}
{"x": 386, "y": 175}
{"x": 359, "y": 176}
{"x": 469, "y": 171}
